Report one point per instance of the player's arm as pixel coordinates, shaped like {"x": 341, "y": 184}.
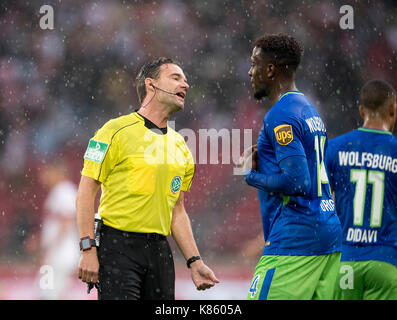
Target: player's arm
{"x": 294, "y": 178}
{"x": 285, "y": 132}
{"x": 181, "y": 229}
{"x": 85, "y": 207}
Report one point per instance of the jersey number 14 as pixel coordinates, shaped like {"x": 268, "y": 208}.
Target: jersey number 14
{"x": 322, "y": 177}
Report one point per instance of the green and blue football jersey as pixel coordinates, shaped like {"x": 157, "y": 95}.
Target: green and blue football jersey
{"x": 296, "y": 224}
{"x": 362, "y": 170}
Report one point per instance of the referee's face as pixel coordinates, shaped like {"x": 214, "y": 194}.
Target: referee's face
{"x": 173, "y": 80}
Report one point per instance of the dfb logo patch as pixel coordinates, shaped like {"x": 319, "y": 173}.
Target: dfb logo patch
{"x": 176, "y": 184}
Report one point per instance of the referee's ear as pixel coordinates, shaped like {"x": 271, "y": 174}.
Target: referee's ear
{"x": 149, "y": 85}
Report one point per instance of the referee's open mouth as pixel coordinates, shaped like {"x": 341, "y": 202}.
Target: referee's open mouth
{"x": 181, "y": 94}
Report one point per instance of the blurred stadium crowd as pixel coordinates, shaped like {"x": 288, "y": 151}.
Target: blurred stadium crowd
{"x": 58, "y": 86}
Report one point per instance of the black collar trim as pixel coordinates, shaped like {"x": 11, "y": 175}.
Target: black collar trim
{"x": 150, "y": 125}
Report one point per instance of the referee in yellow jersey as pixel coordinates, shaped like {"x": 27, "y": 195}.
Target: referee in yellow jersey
{"x": 143, "y": 168}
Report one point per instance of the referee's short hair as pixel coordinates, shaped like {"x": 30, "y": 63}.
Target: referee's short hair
{"x": 376, "y": 95}
{"x": 150, "y": 70}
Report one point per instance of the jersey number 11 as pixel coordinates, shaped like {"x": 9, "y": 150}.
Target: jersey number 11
{"x": 361, "y": 177}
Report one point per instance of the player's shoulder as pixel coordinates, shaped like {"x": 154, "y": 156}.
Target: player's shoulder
{"x": 293, "y": 101}
{"x": 384, "y": 143}
{"x": 343, "y": 141}
{"x": 290, "y": 106}
{"x": 277, "y": 114}
{"x": 393, "y": 143}
{"x": 393, "y": 139}
{"x": 343, "y": 137}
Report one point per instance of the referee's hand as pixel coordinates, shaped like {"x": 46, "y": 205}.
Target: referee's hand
{"x": 89, "y": 266}
{"x": 202, "y": 276}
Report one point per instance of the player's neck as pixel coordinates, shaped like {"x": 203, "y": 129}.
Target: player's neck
{"x": 377, "y": 124}
{"x": 281, "y": 88}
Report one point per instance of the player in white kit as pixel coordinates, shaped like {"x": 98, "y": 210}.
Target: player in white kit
{"x": 59, "y": 238}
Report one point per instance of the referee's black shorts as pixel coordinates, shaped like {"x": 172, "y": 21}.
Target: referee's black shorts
{"x": 135, "y": 266}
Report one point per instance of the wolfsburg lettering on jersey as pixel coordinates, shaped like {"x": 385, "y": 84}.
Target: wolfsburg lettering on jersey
{"x": 367, "y": 159}
{"x": 315, "y": 124}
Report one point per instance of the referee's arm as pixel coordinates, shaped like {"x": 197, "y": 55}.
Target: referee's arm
{"x": 85, "y": 207}
{"x": 181, "y": 229}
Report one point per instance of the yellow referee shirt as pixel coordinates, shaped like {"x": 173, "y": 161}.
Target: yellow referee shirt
{"x": 142, "y": 173}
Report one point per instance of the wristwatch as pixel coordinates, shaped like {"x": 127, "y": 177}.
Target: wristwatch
{"x": 86, "y": 243}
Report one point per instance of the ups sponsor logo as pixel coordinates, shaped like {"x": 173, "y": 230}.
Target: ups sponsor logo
{"x": 284, "y": 134}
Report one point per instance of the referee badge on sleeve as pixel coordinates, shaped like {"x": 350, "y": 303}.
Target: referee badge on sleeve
{"x": 176, "y": 184}
{"x": 96, "y": 151}
{"x": 284, "y": 134}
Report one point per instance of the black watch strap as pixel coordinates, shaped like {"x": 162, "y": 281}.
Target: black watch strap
{"x": 86, "y": 243}
{"x": 191, "y": 260}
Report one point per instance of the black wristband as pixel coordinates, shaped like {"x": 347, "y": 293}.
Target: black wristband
{"x": 191, "y": 260}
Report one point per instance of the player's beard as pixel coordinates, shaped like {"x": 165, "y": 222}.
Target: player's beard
{"x": 263, "y": 92}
